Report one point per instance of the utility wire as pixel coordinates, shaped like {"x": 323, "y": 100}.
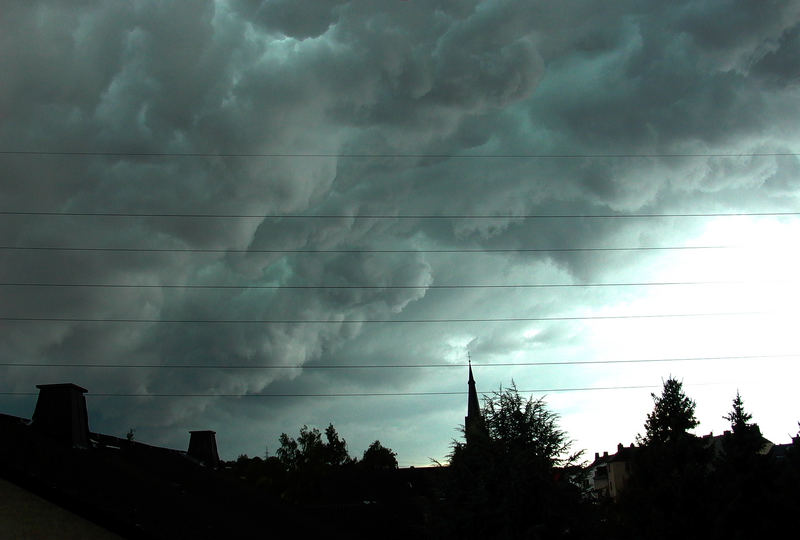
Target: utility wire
{"x": 391, "y": 287}
{"x": 356, "y": 155}
{"x": 367, "y": 321}
{"x": 359, "y": 251}
{"x": 402, "y": 366}
{"x": 346, "y": 394}
{"x": 390, "y": 216}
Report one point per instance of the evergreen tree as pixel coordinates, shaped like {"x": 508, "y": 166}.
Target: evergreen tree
{"x": 738, "y": 418}
{"x": 669, "y": 488}
{"x": 745, "y": 439}
{"x": 517, "y": 479}
{"x": 517, "y": 424}
{"x": 672, "y": 416}
{"x": 743, "y": 479}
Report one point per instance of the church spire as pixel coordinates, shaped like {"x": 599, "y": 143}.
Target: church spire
{"x": 473, "y": 422}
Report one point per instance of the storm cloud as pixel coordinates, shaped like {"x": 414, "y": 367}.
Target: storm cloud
{"x": 371, "y": 116}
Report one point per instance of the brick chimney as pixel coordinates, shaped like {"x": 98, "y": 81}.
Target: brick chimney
{"x": 60, "y": 414}
{"x": 203, "y": 447}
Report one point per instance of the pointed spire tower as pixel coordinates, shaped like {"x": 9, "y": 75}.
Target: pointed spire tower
{"x": 473, "y": 422}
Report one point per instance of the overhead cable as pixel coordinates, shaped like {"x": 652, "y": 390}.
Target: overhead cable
{"x": 344, "y": 394}
{"x": 391, "y": 216}
{"x": 396, "y": 366}
{"x": 361, "y": 251}
{"x": 387, "y": 155}
{"x": 391, "y": 287}
{"x": 382, "y": 321}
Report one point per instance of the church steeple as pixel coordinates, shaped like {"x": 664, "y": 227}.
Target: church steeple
{"x": 473, "y": 422}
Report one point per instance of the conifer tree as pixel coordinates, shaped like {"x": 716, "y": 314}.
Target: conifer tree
{"x": 672, "y": 416}
{"x": 738, "y": 418}
{"x": 518, "y": 479}
{"x": 669, "y": 488}
{"x": 746, "y": 438}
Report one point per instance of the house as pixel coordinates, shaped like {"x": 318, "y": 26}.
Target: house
{"x": 55, "y": 470}
{"x": 609, "y": 473}
{"x": 24, "y": 514}
{"x": 780, "y": 452}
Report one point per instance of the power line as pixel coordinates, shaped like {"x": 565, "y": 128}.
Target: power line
{"x": 361, "y": 251}
{"x": 390, "y": 216}
{"x": 345, "y": 394}
{"x": 387, "y": 321}
{"x": 402, "y": 366}
{"x": 355, "y": 155}
{"x": 392, "y": 287}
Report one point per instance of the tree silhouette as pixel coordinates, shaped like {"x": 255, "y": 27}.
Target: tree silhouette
{"x": 672, "y": 415}
{"x": 745, "y": 439}
{"x": 515, "y": 424}
{"x": 738, "y": 418}
{"x": 517, "y": 479}
{"x": 312, "y": 463}
{"x": 378, "y": 457}
{"x": 669, "y": 488}
{"x": 288, "y": 452}
{"x": 743, "y": 478}
{"x": 335, "y": 449}
{"x": 310, "y": 452}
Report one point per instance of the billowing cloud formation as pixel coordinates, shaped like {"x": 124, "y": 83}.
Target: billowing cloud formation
{"x": 252, "y": 108}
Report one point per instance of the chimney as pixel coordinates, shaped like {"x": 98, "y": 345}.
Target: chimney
{"x": 60, "y": 414}
{"x": 596, "y": 456}
{"x": 605, "y": 454}
{"x": 619, "y": 447}
{"x": 203, "y": 447}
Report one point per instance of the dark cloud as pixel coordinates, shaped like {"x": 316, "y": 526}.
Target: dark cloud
{"x": 299, "y": 20}
{"x": 780, "y": 65}
{"x": 421, "y": 86}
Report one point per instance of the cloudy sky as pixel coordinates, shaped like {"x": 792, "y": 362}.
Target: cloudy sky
{"x": 272, "y": 193}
